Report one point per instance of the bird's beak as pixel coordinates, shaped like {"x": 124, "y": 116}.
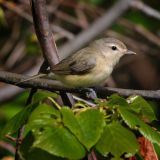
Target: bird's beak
{"x": 130, "y": 52}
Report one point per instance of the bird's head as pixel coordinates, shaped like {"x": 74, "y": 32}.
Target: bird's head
{"x": 112, "y": 47}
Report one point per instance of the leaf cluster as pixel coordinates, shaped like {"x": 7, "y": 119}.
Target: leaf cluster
{"x": 110, "y": 129}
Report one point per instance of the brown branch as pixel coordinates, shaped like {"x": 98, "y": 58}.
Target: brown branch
{"x": 8, "y": 91}
{"x": 92, "y": 156}
{"x": 18, "y": 143}
{"x": 43, "y": 31}
{"x": 45, "y": 37}
{"x": 50, "y": 85}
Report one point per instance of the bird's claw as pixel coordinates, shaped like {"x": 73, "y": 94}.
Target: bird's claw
{"x": 91, "y": 94}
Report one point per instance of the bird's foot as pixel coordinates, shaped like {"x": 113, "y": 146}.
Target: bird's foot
{"x": 90, "y": 93}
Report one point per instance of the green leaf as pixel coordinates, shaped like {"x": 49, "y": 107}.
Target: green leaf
{"x": 58, "y": 141}
{"x": 139, "y": 157}
{"x": 157, "y": 149}
{"x": 51, "y": 135}
{"x": 42, "y": 95}
{"x": 11, "y": 108}
{"x": 87, "y": 125}
{"x": 70, "y": 121}
{"x": 116, "y": 100}
{"x": 18, "y": 120}
{"x": 117, "y": 140}
{"x": 91, "y": 123}
{"x": 30, "y": 153}
{"x": 43, "y": 115}
{"x": 136, "y": 123}
{"x": 142, "y": 107}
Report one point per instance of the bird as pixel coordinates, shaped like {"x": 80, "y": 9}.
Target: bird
{"x": 90, "y": 66}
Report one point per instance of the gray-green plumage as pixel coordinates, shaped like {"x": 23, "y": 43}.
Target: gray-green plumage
{"x": 91, "y": 65}
{"x": 76, "y": 63}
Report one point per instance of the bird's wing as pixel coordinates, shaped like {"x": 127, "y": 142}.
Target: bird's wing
{"x": 76, "y": 64}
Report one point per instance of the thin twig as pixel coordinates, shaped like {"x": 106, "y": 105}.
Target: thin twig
{"x": 141, "y": 30}
{"x": 18, "y": 143}
{"x": 7, "y": 146}
{"x": 28, "y": 17}
{"x": 17, "y": 54}
{"x": 13, "y": 7}
{"x": 146, "y": 9}
{"x": 11, "y": 41}
{"x": 82, "y": 18}
{"x": 85, "y": 101}
{"x": 51, "y": 85}
{"x": 63, "y": 31}
{"x": 92, "y": 156}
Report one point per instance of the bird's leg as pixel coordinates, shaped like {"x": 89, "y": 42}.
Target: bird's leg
{"x": 90, "y": 93}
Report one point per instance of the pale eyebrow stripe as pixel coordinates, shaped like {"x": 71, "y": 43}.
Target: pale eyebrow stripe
{"x": 117, "y": 45}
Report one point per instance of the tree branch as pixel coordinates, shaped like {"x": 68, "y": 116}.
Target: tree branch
{"x": 43, "y": 31}
{"x": 7, "y": 146}
{"x": 51, "y": 85}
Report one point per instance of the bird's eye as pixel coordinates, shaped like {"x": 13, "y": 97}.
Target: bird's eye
{"x": 114, "y": 48}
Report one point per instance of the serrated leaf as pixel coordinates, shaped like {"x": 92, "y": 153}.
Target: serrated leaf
{"x": 58, "y": 141}
{"x": 91, "y": 123}
{"x": 136, "y": 123}
{"x": 51, "y": 135}
{"x": 117, "y": 140}
{"x": 142, "y": 107}
{"x": 87, "y": 125}
{"x": 18, "y": 120}
{"x": 43, "y": 115}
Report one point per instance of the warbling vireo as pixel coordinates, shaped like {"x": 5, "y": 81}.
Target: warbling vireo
{"x": 91, "y": 65}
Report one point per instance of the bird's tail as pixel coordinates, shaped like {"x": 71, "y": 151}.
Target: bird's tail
{"x": 33, "y": 77}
